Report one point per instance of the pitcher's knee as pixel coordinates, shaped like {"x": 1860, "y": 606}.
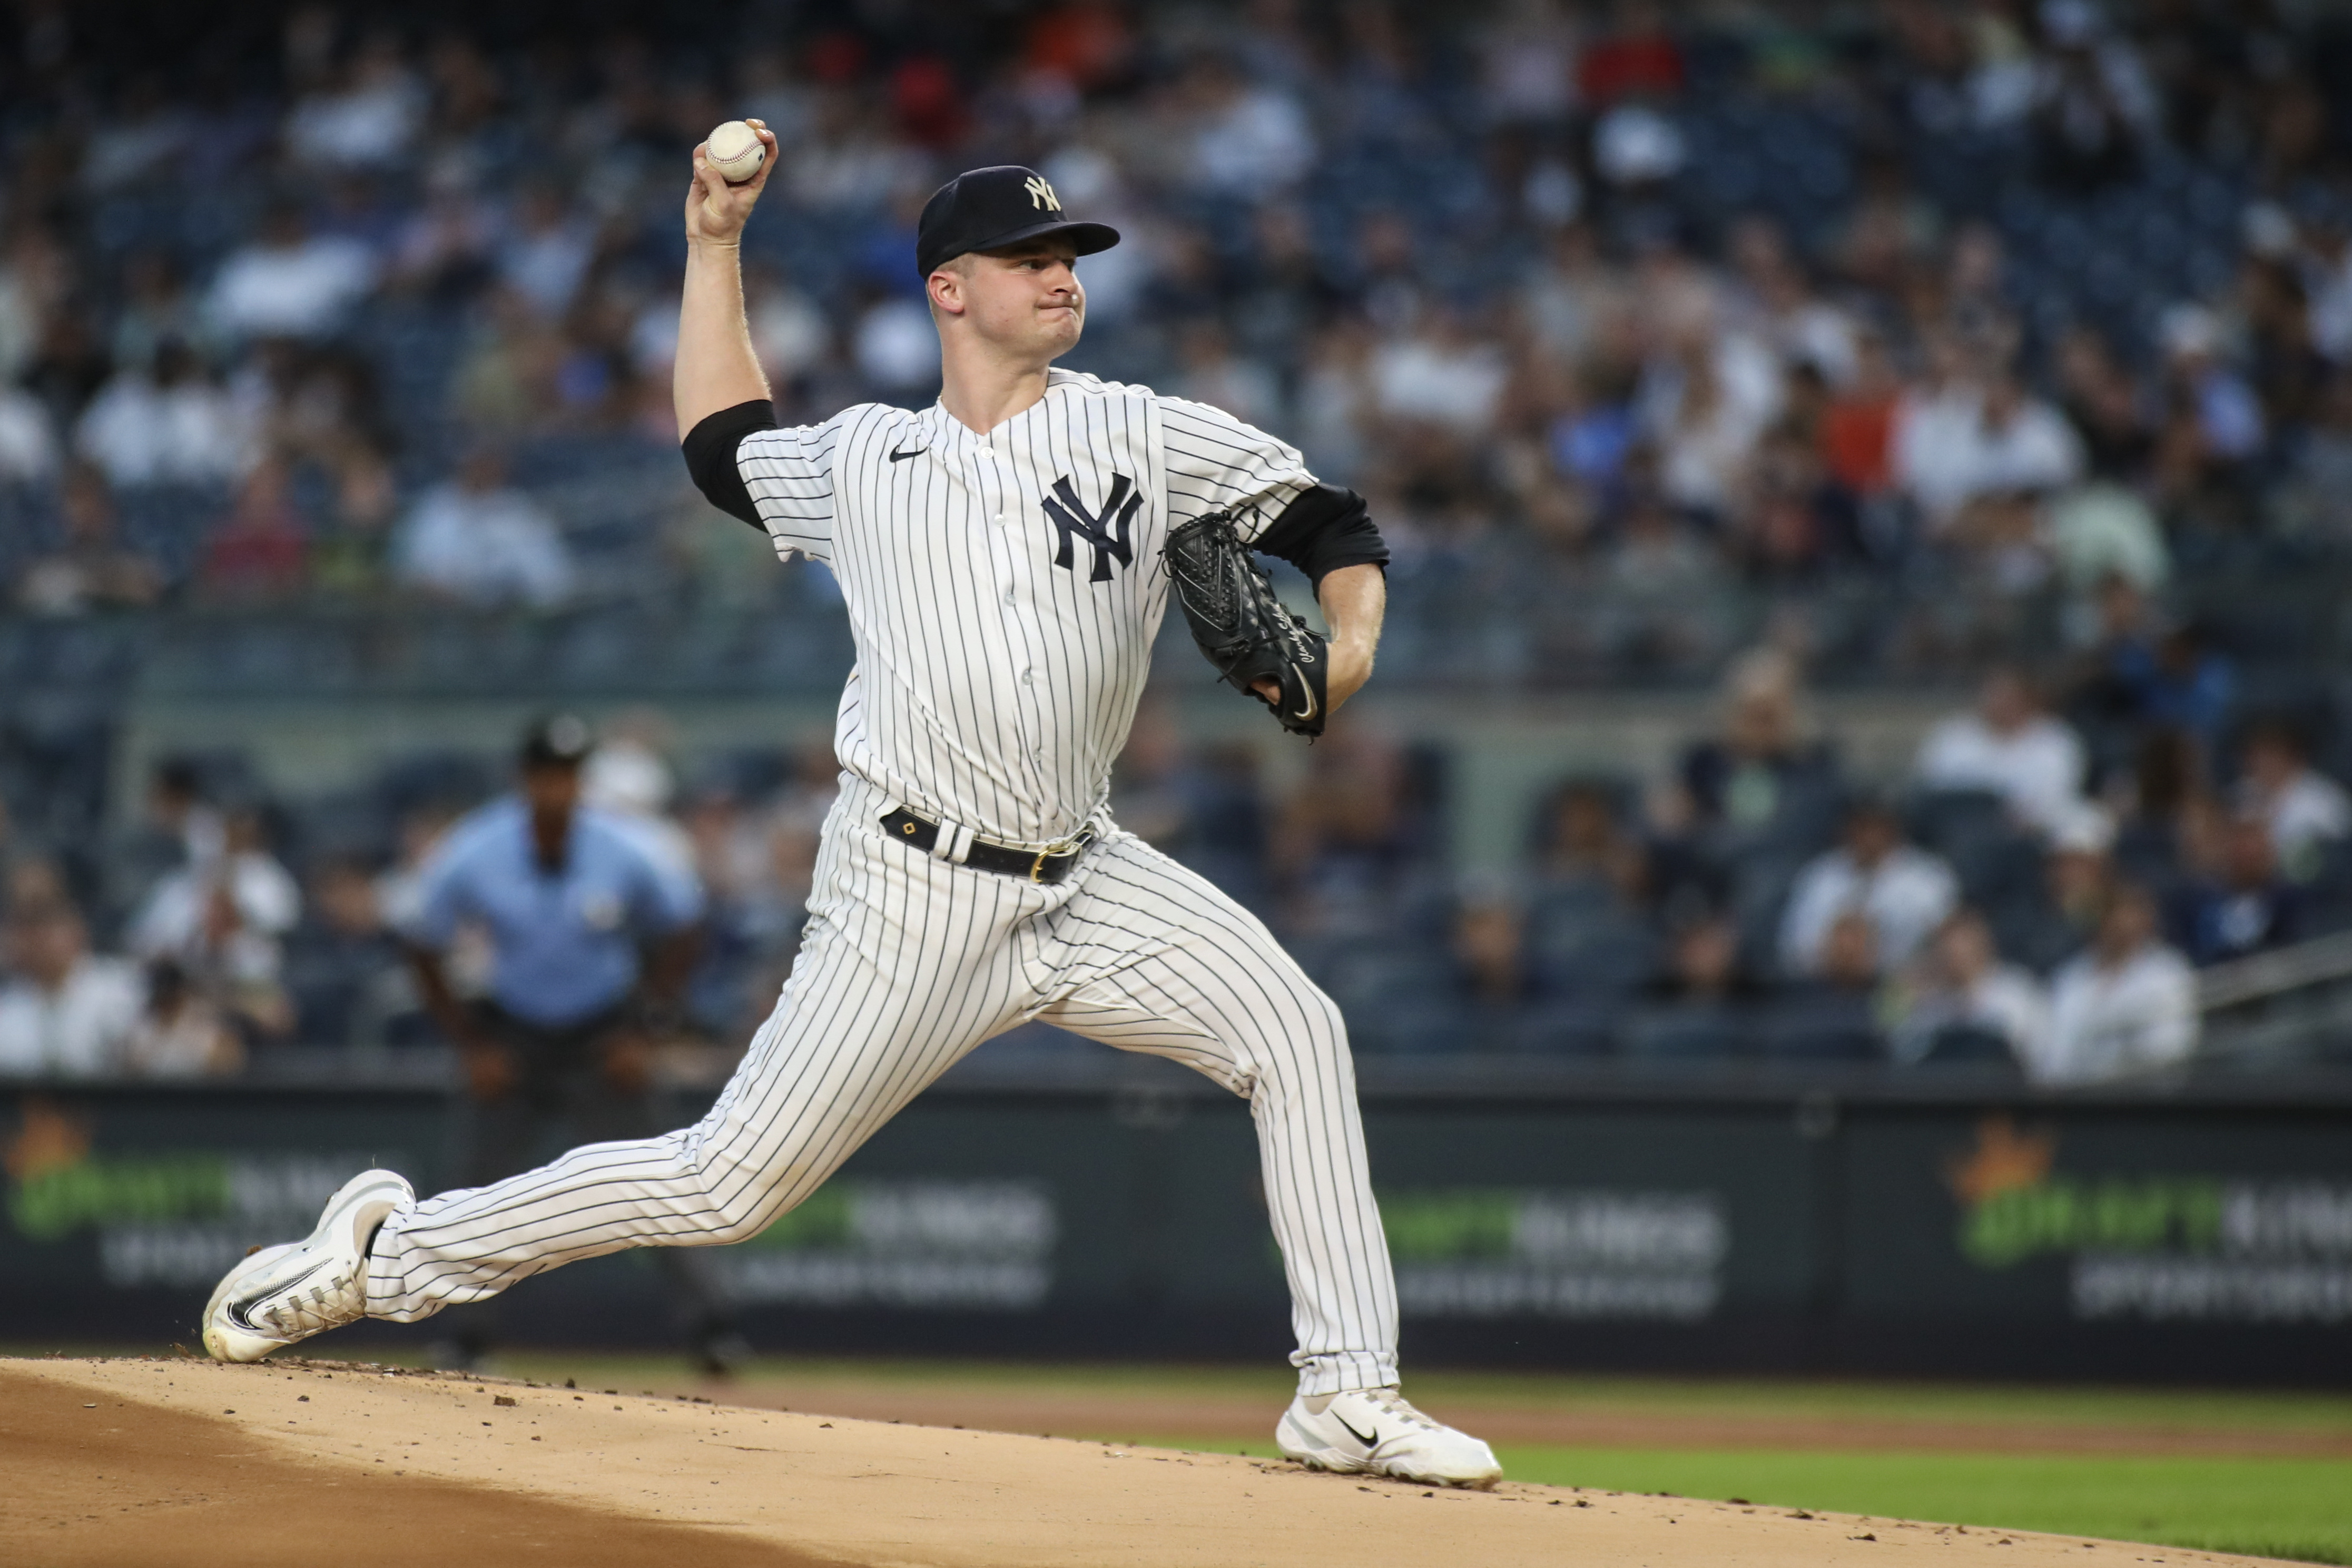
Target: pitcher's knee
{"x": 739, "y": 1211}
{"x": 1316, "y": 1038}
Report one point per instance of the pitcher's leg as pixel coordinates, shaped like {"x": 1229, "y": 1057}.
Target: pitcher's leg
{"x": 891, "y": 989}
{"x": 1159, "y": 960}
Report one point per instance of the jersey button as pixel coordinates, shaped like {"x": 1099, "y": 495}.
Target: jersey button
{"x": 1010, "y": 597}
{"x": 1028, "y": 678}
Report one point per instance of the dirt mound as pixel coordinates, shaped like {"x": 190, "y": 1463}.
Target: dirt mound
{"x": 185, "y": 1464}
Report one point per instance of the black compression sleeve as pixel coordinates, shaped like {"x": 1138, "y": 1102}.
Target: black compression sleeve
{"x": 1326, "y": 529}
{"x": 710, "y": 449}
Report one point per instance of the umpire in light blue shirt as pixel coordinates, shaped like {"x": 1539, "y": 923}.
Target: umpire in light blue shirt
{"x": 592, "y": 934}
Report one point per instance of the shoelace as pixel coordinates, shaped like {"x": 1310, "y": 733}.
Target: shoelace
{"x": 1396, "y": 1404}
{"x": 311, "y": 1312}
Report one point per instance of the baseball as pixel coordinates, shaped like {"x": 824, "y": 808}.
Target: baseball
{"x": 736, "y": 151}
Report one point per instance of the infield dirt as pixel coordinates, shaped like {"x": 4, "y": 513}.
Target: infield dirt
{"x": 188, "y": 1464}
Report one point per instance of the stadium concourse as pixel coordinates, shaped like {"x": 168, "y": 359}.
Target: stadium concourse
{"x": 1834, "y": 365}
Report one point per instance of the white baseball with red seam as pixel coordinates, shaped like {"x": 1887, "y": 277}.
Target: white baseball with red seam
{"x": 736, "y": 151}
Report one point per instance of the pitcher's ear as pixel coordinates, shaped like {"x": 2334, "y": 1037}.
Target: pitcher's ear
{"x": 945, "y": 288}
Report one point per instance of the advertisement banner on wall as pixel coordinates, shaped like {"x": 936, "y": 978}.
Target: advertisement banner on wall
{"x": 2094, "y": 1219}
{"x": 2042, "y": 1236}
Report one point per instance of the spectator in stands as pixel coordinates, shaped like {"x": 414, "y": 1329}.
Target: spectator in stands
{"x": 628, "y": 778}
{"x": 546, "y": 255}
{"x": 1350, "y": 834}
{"x": 477, "y": 541}
{"x": 361, "y": 118}
{"x": 1831, "y": 1010}
{"x": 165, "y": 423}
{"x": 2056, "y": 919}
{"x": 1764, "y": 769}
{"x": 2017, "y": 445}
{"x": 1489, "y": 950}
{"x": 93, "y": 570}
{"x": 2242, "y": 905}
{"x": 1904, "y": 892}
{"x": 223, "y": 919}
{"x": 179, "y": 1033}
{"x": 1664, "y": 584}
{"x": 2220, "y": 417}
{"x": 2105, "y": 407}
{"x": 1704, "y": 968}
{"x": 2305, "y": 811}
{"x": 1246, "y": 138}
{"x": 1583, "y": 844}
{"x": 67, "y": 1012}
{"x": 1960, "y": 983}
{"x": 258, "y": 552}
{"x": 347, "y": 553}
{"x": 2180, "y": 683}
{"x": 288, "y": 282}
{"x": 28, "y": 442}
{"x": 345, "y": 970}
{"x": 2127, "y": 1006}
{"x": 1857, "y": 430}
{"x": 2011, "y": 745}
{"x": 1204, "y": 807}
{"x": 2101, "y": 531}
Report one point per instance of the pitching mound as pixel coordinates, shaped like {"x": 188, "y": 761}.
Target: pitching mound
{"x": 187, "y": 1464}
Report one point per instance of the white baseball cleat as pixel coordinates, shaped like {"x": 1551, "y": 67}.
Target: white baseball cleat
{"x": 1375, "y": 1431}
{"x": 290, "y": 1292}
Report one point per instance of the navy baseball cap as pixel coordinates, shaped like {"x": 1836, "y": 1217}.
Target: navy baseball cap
{"x": 987, "y": 209}
{"x": 558, "y": 740}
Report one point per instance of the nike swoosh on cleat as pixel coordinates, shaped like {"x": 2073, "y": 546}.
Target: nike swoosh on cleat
{"x": 910, "y": 452}
{"x": 237, "y": 1309}
{"x": 1372, "y": 1442}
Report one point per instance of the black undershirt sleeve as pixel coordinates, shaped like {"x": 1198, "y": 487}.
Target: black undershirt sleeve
{"x": 710, "y": 449}
{"x": 1326, "y": 529}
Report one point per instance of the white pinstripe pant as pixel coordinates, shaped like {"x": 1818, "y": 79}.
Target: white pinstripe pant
{"x": 906, "y": 964}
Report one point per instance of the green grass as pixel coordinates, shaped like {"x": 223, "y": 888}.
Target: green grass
{"x": 2296, "y": 1508}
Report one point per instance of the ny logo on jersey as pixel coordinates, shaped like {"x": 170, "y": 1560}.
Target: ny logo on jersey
{"x": 1041, "y": 194}
{"x": 1108, "y": 531}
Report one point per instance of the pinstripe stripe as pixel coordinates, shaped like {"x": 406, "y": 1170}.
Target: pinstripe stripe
{"x": 993, "y": 689}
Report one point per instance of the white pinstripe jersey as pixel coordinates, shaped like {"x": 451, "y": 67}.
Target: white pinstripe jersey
{"x": 1004, "y": 590}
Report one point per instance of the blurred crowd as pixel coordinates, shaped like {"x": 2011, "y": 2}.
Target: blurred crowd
{"x": 1770, "y": 345}
{"x": 1648, "y": 328}
{"x": 2007, "y": 904}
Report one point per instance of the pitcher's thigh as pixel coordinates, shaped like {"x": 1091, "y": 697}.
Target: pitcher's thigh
{"x": 1155, "y": 958}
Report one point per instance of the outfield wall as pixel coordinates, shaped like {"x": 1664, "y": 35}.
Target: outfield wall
{"x": 1111, "y": 1208}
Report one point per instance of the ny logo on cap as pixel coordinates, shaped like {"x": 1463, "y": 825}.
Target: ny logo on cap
{"x": 1041, "y": 194}
{"x": 1108, "y": 531}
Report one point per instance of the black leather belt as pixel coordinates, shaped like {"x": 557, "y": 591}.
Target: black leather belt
{"x": 1050, "y": 864}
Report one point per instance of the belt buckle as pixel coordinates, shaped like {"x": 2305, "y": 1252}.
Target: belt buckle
{"x": 1060, "y": 846}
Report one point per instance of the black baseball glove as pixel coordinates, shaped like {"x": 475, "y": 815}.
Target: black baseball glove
{"x": 1242, "y": 628}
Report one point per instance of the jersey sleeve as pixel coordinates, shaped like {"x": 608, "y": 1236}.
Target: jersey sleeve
{"x": 788, "y": 473}
{"x": 1216, "y": 461}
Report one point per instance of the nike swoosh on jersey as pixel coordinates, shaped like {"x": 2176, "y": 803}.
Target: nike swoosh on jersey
{"x": 910, "y": 452}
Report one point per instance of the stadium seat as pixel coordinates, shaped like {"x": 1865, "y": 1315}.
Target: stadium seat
{"x": 1963, "y": 1045}
{"x": 1693, "y": 1034}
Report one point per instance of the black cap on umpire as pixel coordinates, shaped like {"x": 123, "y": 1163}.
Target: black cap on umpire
{"x": 987, "y": 209}
{"x": 558, "y": 740}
